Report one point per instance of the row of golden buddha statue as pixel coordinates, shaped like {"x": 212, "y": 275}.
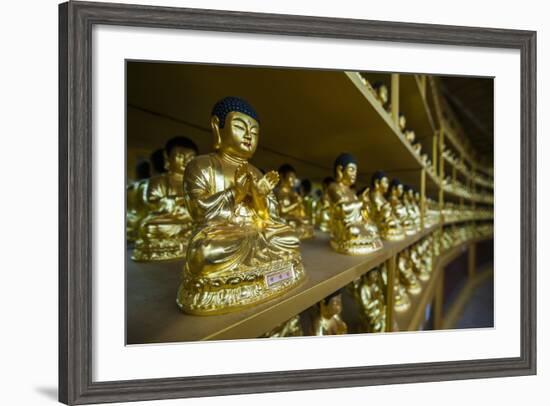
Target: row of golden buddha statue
{"x": 239, "y": 228}
{"x": 414, "y": 266}
{"x": 382, "y": 94}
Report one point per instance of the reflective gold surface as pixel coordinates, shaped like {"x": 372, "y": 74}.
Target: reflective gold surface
{"x": 351, "y": 231}
{"x": 291, "y": 205}
{"x": 241, "y": 251}
{"x": 384, "y": 217}
{"x": 164, "y": 232}
{"x": 328, "y": 320}
{"x": 368, "y": 292}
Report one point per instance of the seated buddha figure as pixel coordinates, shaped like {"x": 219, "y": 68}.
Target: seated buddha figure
{"x": 310, "y": 202}
{"x": 136, "y": 207}
{"x": 401, "y": 299}
{"x": 164, "y": 232}
{"x": 419, "y": 260}
{"x": 323, "y": 208}
{"x": 382, "y": 95}
{"x": 291, "y": 204}
{"x": 241, "y": 252}
{"x": 407, "y": 276}
{"x": 350, "y": 232}
{"x": 389, "y": 226}
{"x": 398, "y": 208}
{"x": 328, "y": 320}
{"x": 412, "y": 206}
{"x": 368, "y": 291}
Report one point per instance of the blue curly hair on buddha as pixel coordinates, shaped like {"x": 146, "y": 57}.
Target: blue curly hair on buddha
{"x": 394, "y": 183}
{"x": 378, "y": 175}
{"x": 344, "y": 160}
{"x": 228, "y": 104}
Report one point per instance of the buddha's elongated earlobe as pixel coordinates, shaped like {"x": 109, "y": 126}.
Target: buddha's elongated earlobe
{"x": 215, "y": 124}
{"x": 339, "y": 173}
{"x": 166, "y": 160}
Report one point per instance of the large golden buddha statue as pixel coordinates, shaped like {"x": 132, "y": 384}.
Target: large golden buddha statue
{"x": 323, "y": 208}
{"x": 328, "y": 320}
{"x": 389, "y": 226}
{"x": 164, "y": 232}
{"x": 368, "y": 291}
{"x": 399, "y": 210}
{"x": 241, "y": 251}
{"x": 351, "y": 232}
{"x": 291, "y": 204}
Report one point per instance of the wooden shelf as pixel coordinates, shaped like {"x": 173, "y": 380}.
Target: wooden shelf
{"x": 297, "y": 109}
{"x": 412, "y": 319}
{"x": 153, "y": 316}
{"x": 415, "y": 108}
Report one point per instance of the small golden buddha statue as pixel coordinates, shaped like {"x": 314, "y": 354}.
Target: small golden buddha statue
{"x": 329, "y": 320}
{"x": 382, "y": 94}
{"x": 389, "y": 226}
{"x": 241, "y": 251}
{"x": 417, "y": 263}
{"x": 421, "y": 257}
{"x": 398, "y": 208}
{"x": 368, "y": 291}
{"x": 291, "y": 204}
{"x": 409, "y": 134}
{"x": 136, "y": 206}
{"x": 163, "y": 234}
{"x": 406, "y": 273}
{"x": 401, "y": 300}
{"x": 310, "y": 202}
{"x": 323, "y": 209}
{"x": 290, "y": 328}
{"x": 351, "y": 232}
{"x": 412, "y": 206}
{"x": 433, "y": 215}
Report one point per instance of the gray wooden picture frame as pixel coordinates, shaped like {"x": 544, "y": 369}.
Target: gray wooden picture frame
{"x": 76, "y": 20}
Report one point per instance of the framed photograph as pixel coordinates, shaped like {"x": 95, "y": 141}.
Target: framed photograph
{"x": 259, "y": 202}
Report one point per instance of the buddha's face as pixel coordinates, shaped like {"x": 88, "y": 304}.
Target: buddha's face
{"x": 399, "y": 190}
{"x": 384, "y": 184}
{"x": 372, "y": 277}
{"x": 402, "y": 122}
{"x": 240, "y": 134}
{"x": 347, "y": 175}
{"x": 334, "y": 305}
{"x": 178, "y": 158}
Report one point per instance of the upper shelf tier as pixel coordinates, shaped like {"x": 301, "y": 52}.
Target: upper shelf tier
{"x": 307, "y": 116}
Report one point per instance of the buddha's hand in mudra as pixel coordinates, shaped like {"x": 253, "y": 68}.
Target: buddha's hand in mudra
{"x": 242, "y": 180}
{"x": 267, "y": 183}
